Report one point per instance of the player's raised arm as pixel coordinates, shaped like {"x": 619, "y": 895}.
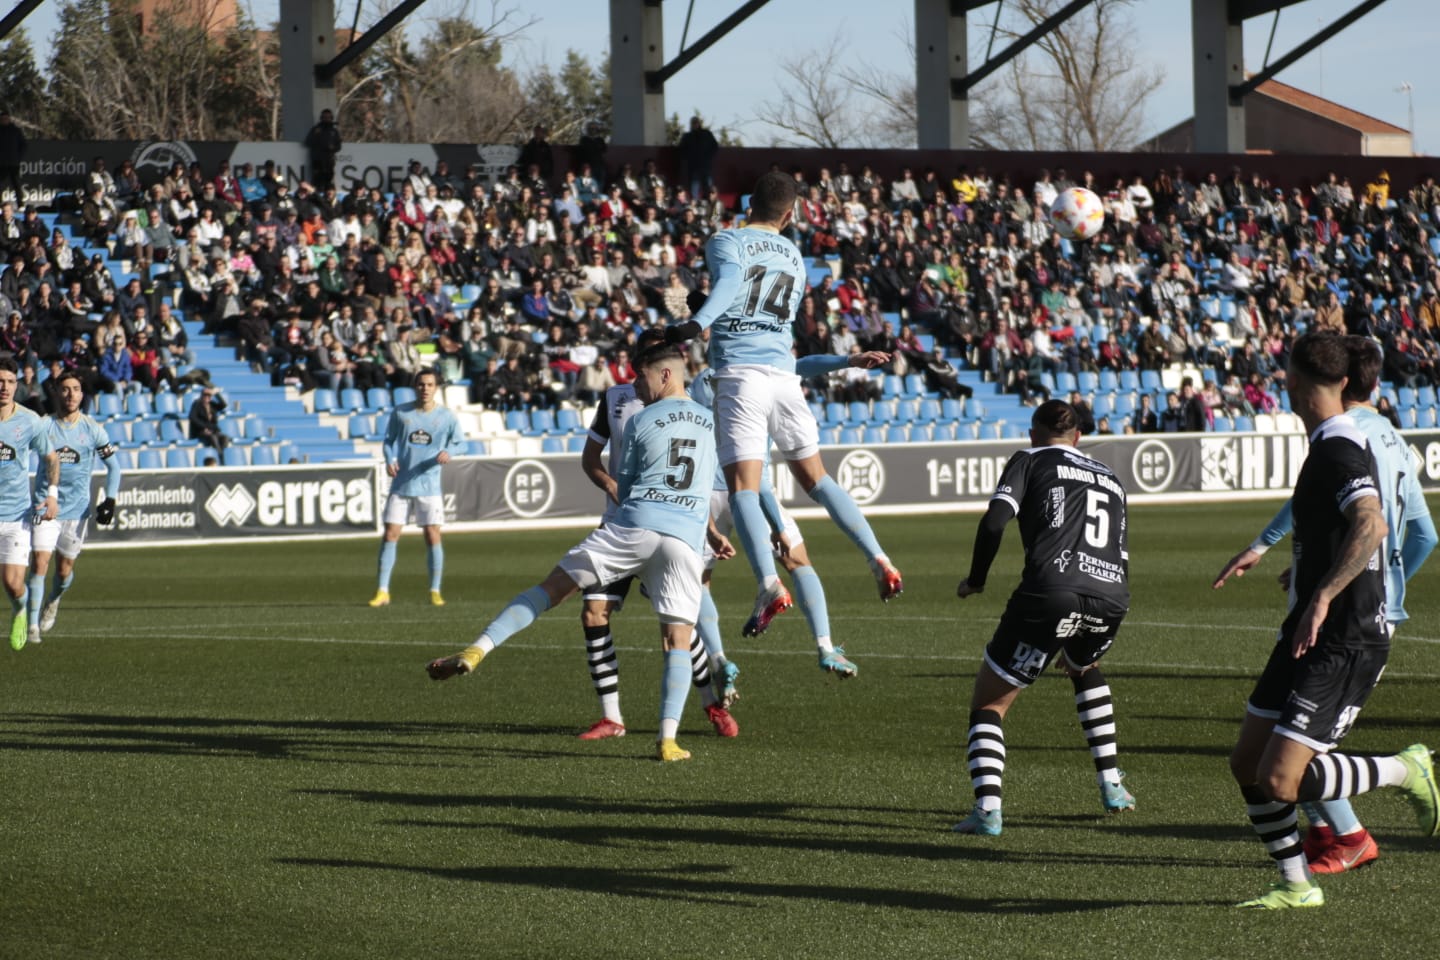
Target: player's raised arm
{"x": 1275, "y": 531}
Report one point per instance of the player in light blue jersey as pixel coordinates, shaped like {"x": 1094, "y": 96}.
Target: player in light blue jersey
{"x": 657, "y": 534}
{"x": 759, "y": 279}
{"x": 1336, "y": 840}
{"x": 785, "y": 536}
{"x": 607, "y": 431}
{"x": 21, "y": 433}
{"x": 78, "y": 442}
{"x": 420, "y": 439}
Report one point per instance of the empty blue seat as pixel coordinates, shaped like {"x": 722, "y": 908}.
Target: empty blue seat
{"x": 576, "y": 443}
{"x": 1425, "y": 396}
{"x": 232, "y": 427}
{"x": 567, "y": 420}
{"x": 542, "y": 421}
{"x": 107, "y": 405}
{"x": 1108, "y": 381}
{"x": 1408, "y": 397}
{"x": 849, "y": 436}
{"x": 1104, "y": 404}
{"x": 236, "y": 456}
{"x": 1150, "y": 381}
{"x": 138, "y": 405}
{"x": 323, "y": 400}
{"x": 950, "y": 409}
{"x": 264, "y": 455}
{"x": 914, "y": 385}
{"x": 377, "y": 398}
{"x": 1223, "y": 425}
{"x": 361, "y": 426}
{"x": 1125, "y": 404}
{"x": 874, "y": 436}
{"x": 552, "y": 445}
{"x": 883, "y": 411}
{"x": 403, "y": 395}
{"x": 834, "y": 414}
{"x": 143, "y": 431}
{"x": 829, "y": 436}
{"x": 906, "y": 411}
{"x": 179, "y": 458}
{"x": 929, "y": 411}
{"x": 167, "y": 404}
{"x": 891, "y": 387}
{"x": 1129, "y": 380}
{"x": 897, "y": 434}
{"x": 148, "y": 459}
{"x": 1243, "y": 424}
{"x": 1065, "y": 381}
{"x": 943, "y": 432}
{"x": 255, "y": 428}
{"x": 921, "y": 433}
{"x": 857, "y": 413}
{"x": 352, "y": 399}
{"x": 171, "y": 431}
{"x": 517, "y": 421}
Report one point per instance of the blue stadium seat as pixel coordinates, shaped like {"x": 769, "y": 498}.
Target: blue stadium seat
{"x": 138, "y": 405}
{"x": 849, "y": 436}
{"x": 883, "y": 411}
{"x": 1066, "y": 381}
{"x": 1425, "y": 396}
{"x": 107, "y": 405}
{"x": 874, "y": 436}
{"x": 949, "y": 409}
{"x": 517, "y": 421}
{"x": 148, "y": 459}
{"x": 914, "y": 385}
{"x": 476, "y": 448}
{"x": 179, "y": 458}
{"x": 1129, "y": 380}
{"x": 891, "y": 387}
{"x": 1108, "y": 381}
{"x": 361, "y": 426}
{"x": 171, "y": 431}
{"x": 1242, "y": 424}
{"x": 264, "y": 455}
{"x": 232, "y": 427}
{"x": 168, "y": 404}
{"x": 323, "y": 400}
{"x": 377, "y": 398}
{"x": 404, "y": 395}
{"x": 1150, "y": 381}
{"x": 1427, "y": 417}
{"x": 857, "y": 413}
{"x": 143, "y": 431}
{"x": 897, "y": 434}
{"x": 929, "y": 411}
{"x": 255, "y": 428}
{"x": 352, "y": 400}
{"x": 905, "y": 411}
{"x": 829, "y": 436}
{"x": 920, "y": 433}
{"x": 236, "y": 456}
{"x": 567, "y": 420}
{"x": 541, "y": 421}
{"x": 1208, "y": 376}
{"x": 1408, "y": 397}
{"x": 1088, "y": 381}
{"x": 1104, "y": 404}
{"x": 1125, "y": 404}
{"x": 575, "y": 443}
{"x": 943, "y": 432}
{"x": 552, "y": 445}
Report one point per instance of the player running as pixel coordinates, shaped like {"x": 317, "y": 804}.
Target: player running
{"x": 1336, "y": 841}
{"x": 759, "y": 279}
{"x": 21, "y": 432}
{"x": 1072, "y": 597}
{"x": 657, "y": 535}
{"x": 420, "y": 438}
{"x": 785, "y": 535}
{"x": 77, "y": 440}
{"x": 607, "y": 429}
{"x": 1333, "y": 643}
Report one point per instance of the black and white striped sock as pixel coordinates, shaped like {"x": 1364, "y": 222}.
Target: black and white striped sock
{"x": 1274, "y": 824}
{"x": 700, "y": 670}
{"x": 1331, "y": 776}
{"x": 604, "y": 670}
{"x": 1096, "y": 710}
{"x": 986, "y": 757}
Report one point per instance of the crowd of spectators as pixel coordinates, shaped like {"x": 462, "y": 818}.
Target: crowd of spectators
{"x": 533, "y": 288}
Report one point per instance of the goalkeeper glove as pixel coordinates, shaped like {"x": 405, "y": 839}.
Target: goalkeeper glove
{"x": 105, "y": 512}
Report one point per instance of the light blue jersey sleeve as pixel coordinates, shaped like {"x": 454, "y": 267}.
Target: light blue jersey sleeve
{"x": 1276, "y": 530}
{"x": 669, "y": 453}
{"x": 758, "y": 279}
{"x": 818, "y": 364}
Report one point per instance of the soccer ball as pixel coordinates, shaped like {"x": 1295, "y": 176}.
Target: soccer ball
{"x": 1077, "y": 213}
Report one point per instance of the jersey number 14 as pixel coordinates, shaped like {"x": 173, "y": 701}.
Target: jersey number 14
{"x": 777, "y": 302}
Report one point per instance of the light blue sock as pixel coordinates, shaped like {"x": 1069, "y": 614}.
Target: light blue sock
{"x": 810, "y": 594}
{"x": 519, "y": 614}
{"x": 387, "y": 562}
{"x": 847, "y": 516}
{"x": 35, "y": 594}
{"x": 754, "y": 534}
{"x": 435, "y": 557}
{"x": 674, "y": 687}
{"x": 1340, "y": 815}
{"x": 1313, "y": 814}
{"x": 58, "y": 586}
{"x": 709, "y": 627}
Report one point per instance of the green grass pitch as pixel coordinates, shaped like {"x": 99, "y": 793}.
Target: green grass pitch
{"x": 222, "y": 752}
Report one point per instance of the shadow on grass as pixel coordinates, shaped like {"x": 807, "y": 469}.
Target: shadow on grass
{"x": 307, "y": 740}
{"x": 709, "y": 883}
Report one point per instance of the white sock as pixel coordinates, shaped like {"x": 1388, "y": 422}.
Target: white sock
{"x": 1391, "y": 771}
{"x": 669, "y": 728}
{"x": 485, "y": 644}
{"x": 825, "y": 645}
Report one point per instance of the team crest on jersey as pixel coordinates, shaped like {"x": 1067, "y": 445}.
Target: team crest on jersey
{"x": 68, "y": 455}
{"x": 419, "y": 438}
{"x": 7, "y": 452}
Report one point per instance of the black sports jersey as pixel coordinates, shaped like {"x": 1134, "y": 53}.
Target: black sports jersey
{"x": 1071, "y": 510}
{"x": 1338, "y": 470}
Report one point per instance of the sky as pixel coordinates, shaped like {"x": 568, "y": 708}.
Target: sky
{"x": 1361, "y": 68}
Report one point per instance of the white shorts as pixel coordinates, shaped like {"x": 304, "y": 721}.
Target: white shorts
{"x": 725, "y": 523}
{"x": 754, "y": 405}
{"x": 421, "y": 511}
{"x": 668, "y": 568}
{"x": 15, "y": 543}
{"x": 67, "y": 536}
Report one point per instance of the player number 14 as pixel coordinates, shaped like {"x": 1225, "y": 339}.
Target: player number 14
{"x": 777, "y": 302}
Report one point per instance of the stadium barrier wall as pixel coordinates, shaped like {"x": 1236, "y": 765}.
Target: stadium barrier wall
{"x": 217, "y": 505}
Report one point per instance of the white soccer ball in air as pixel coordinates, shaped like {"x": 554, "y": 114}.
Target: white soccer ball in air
{"x": 1077, "y": 214}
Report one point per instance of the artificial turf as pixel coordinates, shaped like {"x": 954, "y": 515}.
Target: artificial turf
{"x": 222, "y": 752}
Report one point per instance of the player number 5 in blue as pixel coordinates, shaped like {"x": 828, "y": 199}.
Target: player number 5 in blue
{"x": 777, "y": 302}
{"x": 684, "y": 464}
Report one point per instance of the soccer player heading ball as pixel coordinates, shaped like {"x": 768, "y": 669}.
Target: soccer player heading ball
{"x": 759, "y": 280}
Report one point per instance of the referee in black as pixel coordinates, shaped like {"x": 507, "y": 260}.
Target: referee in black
{"x": 1072, "y": 597}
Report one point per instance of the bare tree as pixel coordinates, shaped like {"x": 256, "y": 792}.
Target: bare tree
{"x": 1080, "y": 87}
{"x": 817, "y": 108}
